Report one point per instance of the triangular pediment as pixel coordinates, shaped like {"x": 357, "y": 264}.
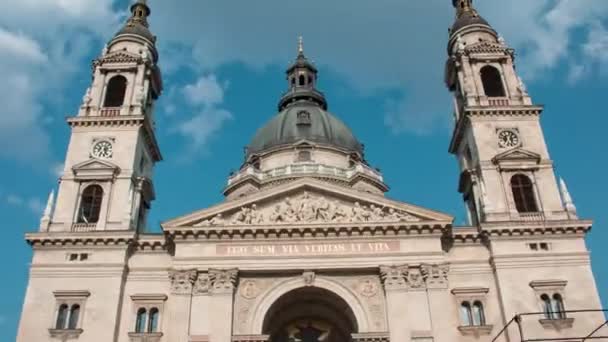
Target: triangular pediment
{"x": 304, "y": 202}
{"x": 486, "y": 47}
{"x": 517, "y": 155}
{"x": 95, "y": 168}
{"x": 120, "y": 57}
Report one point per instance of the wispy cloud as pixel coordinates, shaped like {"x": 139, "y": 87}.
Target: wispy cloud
{"x": 205, "y": 97}
{"x": 35, "y": 205}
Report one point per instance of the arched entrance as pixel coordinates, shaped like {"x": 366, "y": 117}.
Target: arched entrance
{"x": 310, "y": 314}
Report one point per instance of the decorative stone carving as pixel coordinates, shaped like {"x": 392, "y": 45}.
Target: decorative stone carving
{"x": 461, "y": 44}
{"x": 415, "y": 280}
{"x": 202, "y": 285}
{"x": 249, "y": 289}
{"x": 310, "y": 209}
{"x": 222, "y": 281}
{"x": 394, "y": 277}
{"x": 182, "y": 281}
{"x": 309, "y": 278}
{"x": 436, "y": 276}
{"x": 140, "y": 95}
{"x": 86, "y": 99}
{"x": 368, "y": 287}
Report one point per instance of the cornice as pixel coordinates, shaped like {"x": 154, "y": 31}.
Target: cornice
{"x": 308, "y": 231}
{"x": 525, "y": 229}
{"x": 154, "y": 243}
{"x": 86, "y": 239}
{"x": 503, "y": 111}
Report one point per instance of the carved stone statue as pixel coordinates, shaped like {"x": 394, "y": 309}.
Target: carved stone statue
{"x": 461, "y": 43}
{"x": 86, "y": 99}
{"x": 310, "y": 209}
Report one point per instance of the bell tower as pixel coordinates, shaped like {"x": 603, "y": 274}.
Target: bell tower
{"x": 506, "y": 171}
{"x": 107, "y": 179}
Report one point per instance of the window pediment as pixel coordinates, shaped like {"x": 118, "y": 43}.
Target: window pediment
{"x": 516, "y": 158}
{"x": 95, "y": 169}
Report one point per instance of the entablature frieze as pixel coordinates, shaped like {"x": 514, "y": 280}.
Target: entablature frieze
{"x": 303, "y": 231}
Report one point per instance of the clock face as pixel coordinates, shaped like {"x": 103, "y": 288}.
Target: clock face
{"x": 102, "y": 149}
{"x": 508, "y": 138}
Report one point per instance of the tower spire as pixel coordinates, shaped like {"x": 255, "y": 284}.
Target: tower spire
{"x": 300, "y": 46}
{"x": 464, "y": 6}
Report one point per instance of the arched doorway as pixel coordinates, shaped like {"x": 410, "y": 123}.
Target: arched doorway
{"x": 310, "y": 314}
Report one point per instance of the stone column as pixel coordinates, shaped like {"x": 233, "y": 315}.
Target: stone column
{"x": 221, "y": 302}
{"x": 395, "y": 287}
{"x": 180, "y": 303}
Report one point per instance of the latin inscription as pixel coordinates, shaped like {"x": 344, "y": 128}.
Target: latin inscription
{"x": 312, "y": 249}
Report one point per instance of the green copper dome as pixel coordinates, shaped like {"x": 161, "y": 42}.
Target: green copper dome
{"x": 304, "y": 121}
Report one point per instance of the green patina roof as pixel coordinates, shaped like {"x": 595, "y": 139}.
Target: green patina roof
{"x": 324, "y": 128}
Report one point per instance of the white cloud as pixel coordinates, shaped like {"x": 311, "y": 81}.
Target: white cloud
{"x": 19, "y": 46}
{"x": 201, "y": 127}
{"x": 206, "y": 91}
{"x": 596, "y": 47}
{"x": 206, "y": 97}
{"x": 33, "y": 204}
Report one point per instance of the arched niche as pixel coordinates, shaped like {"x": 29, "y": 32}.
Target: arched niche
{"x": 338, "y": 298}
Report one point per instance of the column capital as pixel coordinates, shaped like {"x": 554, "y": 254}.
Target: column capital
{"x": 222, "y": 281}
{"x": 182, "y": 281}
{"x": 435, "y": 276}
{"x": 393, "y": 277}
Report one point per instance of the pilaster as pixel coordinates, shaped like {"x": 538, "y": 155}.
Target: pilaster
{"x": 221, "y": 302}
{"x": 182, "y": 282}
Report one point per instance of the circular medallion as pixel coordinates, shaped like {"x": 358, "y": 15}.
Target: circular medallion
{"x": 368, "y": 287}
{"x": 249, "y": 289}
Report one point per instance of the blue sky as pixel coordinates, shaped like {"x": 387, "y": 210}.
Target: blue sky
{"x": 381, "y": 65}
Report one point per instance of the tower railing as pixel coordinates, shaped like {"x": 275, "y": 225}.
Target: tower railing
{"x": 572, "y": 326}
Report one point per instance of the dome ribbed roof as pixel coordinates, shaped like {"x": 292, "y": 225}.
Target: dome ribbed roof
{"x": 468, "y": 19}
{"x": 137, "y": 29}
{"x": 304, "y": 121}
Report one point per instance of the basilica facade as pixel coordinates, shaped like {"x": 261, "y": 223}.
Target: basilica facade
{"x": 306, "y": 247}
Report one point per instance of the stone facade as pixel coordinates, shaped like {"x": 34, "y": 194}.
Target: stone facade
{"x": 306, "y": 247}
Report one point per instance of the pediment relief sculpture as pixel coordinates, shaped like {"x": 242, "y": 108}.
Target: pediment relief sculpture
{"x": 308, "y": 208}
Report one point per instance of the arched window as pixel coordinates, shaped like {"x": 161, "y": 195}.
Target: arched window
{"x": 547, "y": 307}
{"x": 466, "y": 314}
{"x": 479, "y": 318}
{"x": 492, "y": 82}
{"x": 153, "y": 320}
{"x": 140, "y": 321}
{"x": 115, "y": 93}
{"x": 558, "y": 307}
{"x": 302, "y": 80}
{"x": 523, "y": 194}
{"x": 62, "y": 316}
{"x": 90, "y": 204}
{"x": 293, "y": 81}
{"x": 74, "y": 315}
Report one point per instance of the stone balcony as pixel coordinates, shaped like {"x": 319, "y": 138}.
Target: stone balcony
{"x": 306, "y": 169}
